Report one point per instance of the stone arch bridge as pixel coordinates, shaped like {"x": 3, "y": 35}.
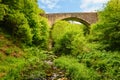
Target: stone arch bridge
{"x": 87, "y": 18}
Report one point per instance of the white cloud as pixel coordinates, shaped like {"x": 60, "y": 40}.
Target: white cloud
{"x": 50, "y": 3}
{"x": 92, "y": 5}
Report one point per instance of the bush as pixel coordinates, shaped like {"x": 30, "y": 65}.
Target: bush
{"x": 64, "y": 44}
{"x": 69, "y": 40}
{"x": 59, "y": 29}
{"x": 18, "y": 27}
{"x": 106, "y": 64}
{"x": 40, "y": 31}
{"x": 71, "y": 43}
{"x": 34, "y": 66}
{"x": 75, "y": 70}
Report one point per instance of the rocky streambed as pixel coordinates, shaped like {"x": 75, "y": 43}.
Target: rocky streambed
{"x": 54, "y": 73}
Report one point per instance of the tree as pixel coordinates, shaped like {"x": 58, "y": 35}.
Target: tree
{"x": 108, "y": 27}
{"x": 23, "y": 21}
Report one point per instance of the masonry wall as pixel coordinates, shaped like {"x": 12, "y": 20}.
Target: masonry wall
{"x": 89, "y": 17}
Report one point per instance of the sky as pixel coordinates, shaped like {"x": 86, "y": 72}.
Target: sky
{"x": 62, "y": 6}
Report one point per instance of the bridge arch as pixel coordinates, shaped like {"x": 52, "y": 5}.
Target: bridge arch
{"x": 84, "y": 22}
{"x": 74, "y": 19}
{"x": 77, "y": 20}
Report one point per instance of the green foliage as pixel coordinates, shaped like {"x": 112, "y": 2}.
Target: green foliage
{"x": 68, "y": 38}
{"x": 59, "y": 28}
{"x": 79, "y": 45}
{"x": 75, "y": 70}
{"x": 62, "y": 27}
{"x": 8, "y": 51}
{"x": 3, "y": 9}
{"x": 34, "y": 66}
{"x": 30, "y": 66}
{"x": 105, "y": 64}
{"x": 19, "y": 64}
{"x": 17, "y": 25}
{"x": 11, "y": 68}
{"x": 21, "y": 18}
{"x": 108, "y": 27}
{"x": 40, "y": 31}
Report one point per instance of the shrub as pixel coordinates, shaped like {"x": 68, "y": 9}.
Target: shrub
{"x": 69, "y": 40}
{"x": 40, "y": 31}
{"x": 106, "y": 64}
{"x": 59, "y": 29}
{"x": 34, "y": 66}
{"x": 71, "y": 43}
{"x": 79, "y": 45}
{"x": 17, "y": 25}
{"x": 64, "y": 45}
{"x": 75, "y": 70}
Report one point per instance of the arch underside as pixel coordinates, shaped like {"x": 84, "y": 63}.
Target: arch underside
{"x": 78, "y": 20}
{"x": 74, "y": 19}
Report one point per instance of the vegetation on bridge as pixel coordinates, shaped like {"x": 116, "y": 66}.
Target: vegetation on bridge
{"x": 81, "y": 54}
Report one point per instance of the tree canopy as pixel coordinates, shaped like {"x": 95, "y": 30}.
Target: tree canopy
{"x": 23, "y": 21}
{"x": 108, "y": 27}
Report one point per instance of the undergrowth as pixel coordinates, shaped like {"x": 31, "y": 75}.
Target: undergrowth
{"x": 74, "y": 69}
{"x": 18, "y": 63}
